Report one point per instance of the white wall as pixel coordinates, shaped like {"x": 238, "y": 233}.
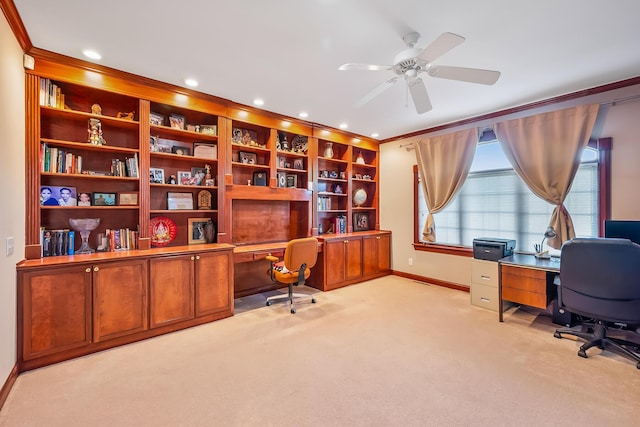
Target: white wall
{"x": 619, "y": 121}
{"x": 12, "y": 188}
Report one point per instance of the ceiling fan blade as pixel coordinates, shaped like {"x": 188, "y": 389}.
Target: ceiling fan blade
{"x": 376, "y": 91}
{"x": 443, "y": 44}
{"x": 419, "y": 94}
{"x": 363, "y": 67}
{"x": 472, "y": 75}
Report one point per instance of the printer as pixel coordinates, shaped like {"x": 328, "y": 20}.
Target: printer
{"x": 492, "y": 249}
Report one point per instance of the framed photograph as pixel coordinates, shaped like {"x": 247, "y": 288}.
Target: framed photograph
{"x": 84, "y": 199}
{"x": 184, "y": 177}
{"x": 196, "y": 230}
{"x": 156, "y": 119}
{"x": 205, "y": 151}
{"x": 156, "y": 175}
{"x": 180, "y": 150}
{"x": 179, "y": 201}
{"x": 298, "y": 164}
{"x": 163, "y": 145}
{"x": 209, "y": 130}
{"x": 153, "y": 144}
{"x": 177, "y": 121}
{"x": 199, "y": 174}
{"x": 360, "y": 222}
{"x": 282, "y": 179}
{"x": 57, "y": 196}
{"x": 281, "y": 161}
{"x": 104, "y": 199}
{"x": 292, "y": 181}
{"x": 128, "y": 198}
{"x": 247, "y": 158}
{"x": 260, "y": 178}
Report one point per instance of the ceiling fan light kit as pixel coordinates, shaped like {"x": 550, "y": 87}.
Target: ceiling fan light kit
{"x": 412, "y": 61}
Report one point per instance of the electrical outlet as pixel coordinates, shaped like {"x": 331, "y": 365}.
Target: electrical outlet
{"x": 9, "y": 246}
{"x": 410, "y": 261}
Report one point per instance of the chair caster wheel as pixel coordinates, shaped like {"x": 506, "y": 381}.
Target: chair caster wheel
{"x": 557, "y": 334}
{"x": 582, "y": 353}
{"x": 293, "y": 311}
{"x": 313, "y": 300}
{"x": 269, "y": 303}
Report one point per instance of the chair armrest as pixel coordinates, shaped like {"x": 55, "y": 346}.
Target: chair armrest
{"x": 271, "y": 258}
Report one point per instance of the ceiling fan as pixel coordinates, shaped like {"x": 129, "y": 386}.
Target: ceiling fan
{"x": 412, "y": 61}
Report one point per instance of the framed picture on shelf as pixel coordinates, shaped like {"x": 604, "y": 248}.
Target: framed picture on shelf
{"x": 156, "y": 175}
{"x": 84, "y": 199}
{"x": 153, "y": 144}
{"x": 104, "y": 199}
{"x": 298, "y": 164}
{"x": 247, "y": 158}
{"x": 360, "y": 222}
{"x": 282, "y": 179}
{"x": 177, "y": 121}
{"x": 292, "y": 181}
{"x": 206, "y": 151}
{"x": 281, "y": 161}
{"x": 199, "y": 174}
{"x": 180, "y": 150}
{"x": 184, "y": 177}
{"x": 156, "y": 119}
{"x": 57, "y": 196}
{"x": 163, "y": 145}
{"x": 260, "y": 178}
{"x": 209, "y": 130}
{"x": 196, "y": 230}
{"x": 179, "y": 201}
{"x": 128, "y": 198}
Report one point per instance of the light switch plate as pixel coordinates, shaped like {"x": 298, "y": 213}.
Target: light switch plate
{"x": 9, "y": 246}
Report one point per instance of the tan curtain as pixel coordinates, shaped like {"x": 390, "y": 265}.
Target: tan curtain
{"x": 443, "y": 162}
{"x": 545, "y": 151}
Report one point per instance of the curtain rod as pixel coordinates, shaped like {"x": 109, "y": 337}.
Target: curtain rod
{"x": 615, "y": 101}
{"x": 410, "y": 146}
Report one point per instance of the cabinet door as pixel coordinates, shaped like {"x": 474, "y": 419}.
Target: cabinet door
{"x": 56, "y": 310}
{"x": 384, "y": 252}
{"x": 335, "y": 255}
{"x": 370, "y": 255}
{"x": 119, "y": 299}
{"x": 213, "y": 282}
{"x": 353, "y": 259}
{"x": 171, "y": 289}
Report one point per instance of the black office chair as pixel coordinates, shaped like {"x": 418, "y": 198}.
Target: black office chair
{"x": 300, "y": 256}
{"x": 600, "y": 281}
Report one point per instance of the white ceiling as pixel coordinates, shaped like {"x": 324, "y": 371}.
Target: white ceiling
{"x": 288, "y": 51}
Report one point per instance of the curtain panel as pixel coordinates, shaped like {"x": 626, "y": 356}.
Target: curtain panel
{"x": 545, "y": 151}
{"x": 444, "y": 163}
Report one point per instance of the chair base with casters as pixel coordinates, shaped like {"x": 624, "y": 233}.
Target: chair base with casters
{"x": 300, "y": 255}
{"x": 596, "y": 336}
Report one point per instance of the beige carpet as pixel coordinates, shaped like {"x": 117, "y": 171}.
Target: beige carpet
{"x": 389, "y": 352}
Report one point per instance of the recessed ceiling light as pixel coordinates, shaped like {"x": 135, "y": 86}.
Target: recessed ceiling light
{"x": 356, "y": 140}
{"x": 343, "y": 126}
{"x": 191, "y": 82}
{"x": 303, "y": 115}
{"x": 259, "y": 102}
{"x": 375, "y": 135}
{"x": 92, "y": 54}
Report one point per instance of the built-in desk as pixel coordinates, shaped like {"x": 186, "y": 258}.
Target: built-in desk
{"x": 527, "y": 280}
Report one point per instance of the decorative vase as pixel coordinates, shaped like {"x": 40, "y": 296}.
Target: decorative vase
{"x": 210, "y": 232}
{"x": 328, "y": 150}
{"x": 360, "y": 159}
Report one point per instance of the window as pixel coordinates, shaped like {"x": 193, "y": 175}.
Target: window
{"x": 494, "y": 202}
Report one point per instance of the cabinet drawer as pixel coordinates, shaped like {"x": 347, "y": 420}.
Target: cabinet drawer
{"x": 484, "y": 272}
{"x": 534, "y": 299}
{"x": 525, "y": 283}
{"x": 484, "y": 296}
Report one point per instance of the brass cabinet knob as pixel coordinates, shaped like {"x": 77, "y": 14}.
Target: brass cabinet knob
{"x": 96, "y": 268}
{"x": 192, "y": 257}
{"x": 87, "y": 270}
{"x": 197, "y": 256}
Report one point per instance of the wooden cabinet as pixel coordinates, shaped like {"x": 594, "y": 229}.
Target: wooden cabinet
{"x": 333, "y": 187}
{"x": 376, "y": 254}
{"x": 186, "y": 286}
{"x": 119, "y": 298}
{"x": 526, "y": 286}
{"x": 54, "y": 310}
{"x": 343, "y": 260}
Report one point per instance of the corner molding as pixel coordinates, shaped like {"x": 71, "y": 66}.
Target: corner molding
{"x": 8, "y": 385}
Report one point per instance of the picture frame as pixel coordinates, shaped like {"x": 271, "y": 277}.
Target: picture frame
{"x": 260, "y": 178}
{"x": 177, "y": 121}
{"x": 85, "y": 198}
{"x": 298, "y": 164}
{"x": 128, "y": 198}
{"x": 153, "y": 144}
{"x": 104, "y": 199}
{"x": 184, "y": 177}
{"x": 156, "y": 176}
{"x": 205, "y": 151}
{"x": 179, "y": 201}
{"x": 180, "y": 150}
{"x": 57, "y": 196}
{"x": 292, "y": 181}
{"x": 156, "y": 119}
{"x": 360, "y": 222}
{"x": 209, "y": 130}
{"x": 247, "y": 158}
{"x": 196, "y": 230}
{"x": 163, "y": 145}
{"x": 281, "y": 161}
{"x": 282, "y": 179}
{"x": 199, "y": 174}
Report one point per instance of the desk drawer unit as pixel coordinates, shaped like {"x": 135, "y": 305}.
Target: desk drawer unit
{"x": 484, "y": 284}
{"x": 525, "y": 286}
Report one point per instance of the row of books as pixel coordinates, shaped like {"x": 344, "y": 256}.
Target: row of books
{"x": 126, "y": 167}
{"x": 57, "y": 242}
{"x": 50, "y": 94}
{"x": 121, "y": 239}
{"x": 339, "y": 224}
{"x": 324, "y": 203}
{"x": 53, "y": 159}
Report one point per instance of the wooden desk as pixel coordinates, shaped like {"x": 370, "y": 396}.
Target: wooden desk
{"x": 525, "y": 279}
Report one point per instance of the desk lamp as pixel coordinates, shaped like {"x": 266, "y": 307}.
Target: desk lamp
{"x": 549, "y": 234}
